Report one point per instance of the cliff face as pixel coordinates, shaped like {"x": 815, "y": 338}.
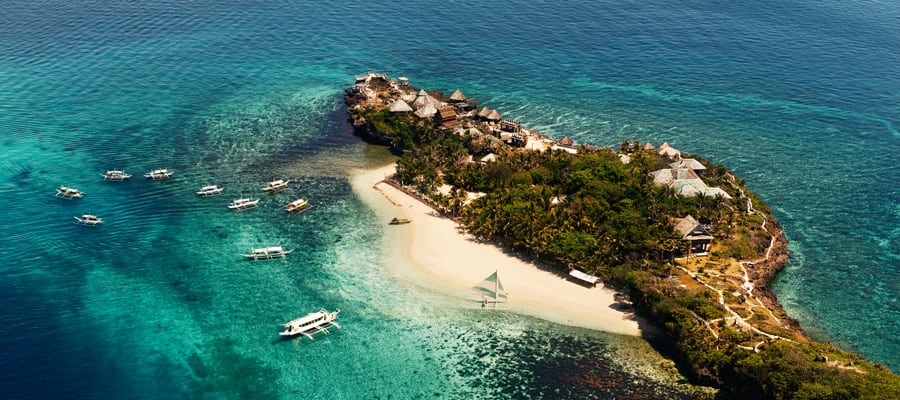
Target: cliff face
{"x": 762, "y": 274}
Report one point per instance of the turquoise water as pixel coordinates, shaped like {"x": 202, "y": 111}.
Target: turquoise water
{"x": 798, "y": 98}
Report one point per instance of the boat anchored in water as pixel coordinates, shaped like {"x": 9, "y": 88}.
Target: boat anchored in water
{"x": 311, "y": 324}
{"x": 276, "y": 185}
{"x": 399, "y": 221}
{"x": 115, "y": 175}
{"x": 298, "y": 206}
{"x": 210, "y": 190}
{"x": 159, "y": 174}
{"x": 268, "y": 253}
{"x": 243, "y": 204}
{"x": 68, "y": 193}
{"x": 89, "y": 220}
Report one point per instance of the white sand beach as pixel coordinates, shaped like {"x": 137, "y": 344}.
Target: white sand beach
{"x": 433, "y": 252}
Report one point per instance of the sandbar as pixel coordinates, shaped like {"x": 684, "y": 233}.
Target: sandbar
{"x": 435, "y": 252}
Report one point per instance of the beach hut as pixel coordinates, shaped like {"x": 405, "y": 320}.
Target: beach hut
{"x": 484, "y": 112}
{"x": 648, "y": 146}
{"x": 448, "y": 117}
{"x": 494, "y": 116}
{"x": 566, "y": 141}
{"x": 668, "y": 151}
{"x": 457, "y": 97}
{"x": 426, "y": 111}
{"x": 423, "y": 99}
{"x": 400, "y": 106}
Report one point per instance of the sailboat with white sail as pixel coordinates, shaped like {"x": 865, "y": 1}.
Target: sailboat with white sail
{"x": 491, "y": 290}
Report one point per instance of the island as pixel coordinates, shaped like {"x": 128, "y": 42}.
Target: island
{"x": 682, "y": 240}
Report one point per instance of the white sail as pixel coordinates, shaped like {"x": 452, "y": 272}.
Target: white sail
{"x": 491, "y": 289}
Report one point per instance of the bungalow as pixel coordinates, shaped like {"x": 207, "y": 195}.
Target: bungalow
{"x": 696, "y": 234}
{"x": 668, "y": 151}
{"x": 685, "y": 182}
{"x": 447, "y": 117}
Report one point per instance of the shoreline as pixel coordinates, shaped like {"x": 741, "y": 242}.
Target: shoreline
{"x": 434, "y": 253}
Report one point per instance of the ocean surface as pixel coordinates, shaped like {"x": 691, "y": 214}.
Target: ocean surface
{"x": 800, "y": 98}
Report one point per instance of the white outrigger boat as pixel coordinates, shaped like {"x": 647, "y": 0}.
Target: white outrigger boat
{"x": 89, "y": 220}
{"x": 243, "y": 204}
{"x": 210, "y": 190}
{"x": 311, "y": 324}
{"x": 275, "y": 185}
{"x": 299, "y": 205}
{"x": 159, "y": 174}
{"x": 69, "y": 193}
{"x": 268, "y": 253}
{"x": 115, "y": 175}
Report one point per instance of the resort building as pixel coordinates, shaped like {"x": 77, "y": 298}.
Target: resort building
{"x": 696, "y": 234}
{"x": 685, "y": 181}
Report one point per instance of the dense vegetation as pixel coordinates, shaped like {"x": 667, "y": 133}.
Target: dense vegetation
{"x": 592, "y": 212}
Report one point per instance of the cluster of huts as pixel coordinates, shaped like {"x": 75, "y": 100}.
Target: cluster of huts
{"x": 455, "y": 112}
{"x": 462, "y": 115}
{"x": 684, "y": 176}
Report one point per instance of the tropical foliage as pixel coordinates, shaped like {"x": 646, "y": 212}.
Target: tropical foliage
{"x": 593, "y": 212}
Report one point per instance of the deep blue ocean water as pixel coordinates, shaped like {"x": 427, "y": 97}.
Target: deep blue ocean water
{"x": 799, "y": 98}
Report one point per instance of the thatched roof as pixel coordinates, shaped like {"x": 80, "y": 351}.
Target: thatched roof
{"x": 447, "y": 112}
{"x": 649, "y": 146}
{"x": 457, "y": 96}
{"x": 692, "y": 230}
{"x": 666, "y": 150}
{"x": 423, "y": 98}
{"x": 566, "y": 141}
{"x": 494, "y": 115}
{"x": 400, "y": 106}
{"x": 427, "y": 111}
{"x": 484, "y": 112}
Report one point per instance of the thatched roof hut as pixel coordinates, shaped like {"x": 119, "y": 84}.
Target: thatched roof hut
{"x": 566, "y": 141}
{"x": 400, "y": 106}
{"x": 484, "y": 112}
{"x": 457, "y": 96}
{"x": 423, "y": 98}
{"x": 494, "y": 116}
{"x": 427, "y": 111}
{"x": 666, "y": 150}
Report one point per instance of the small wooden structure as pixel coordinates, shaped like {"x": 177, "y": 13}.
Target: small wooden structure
{"x": 447, "y": 116}
{"x": 457, "y": 97}
{"x": 696, "y": 234}
{"x": 584, "y": 278}
{"x": 510, "y": 125}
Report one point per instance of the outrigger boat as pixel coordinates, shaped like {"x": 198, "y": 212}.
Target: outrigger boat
{"x": 491, "y": 290}
{"x": 399, "y": 221}
{"x": 298, "y": 205}
{"x": 268, "y": 253}
{"x": 243, "y": 204}
{"x": 311, "y": 324}
{"x": 275, "y": 185}
{"x": 89, "y": 220}
{"x": 69, "y": 193}
{"x": 159, "y": 174}
{"x": 210, "y": 190}
{"x": 115, "y": 175}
